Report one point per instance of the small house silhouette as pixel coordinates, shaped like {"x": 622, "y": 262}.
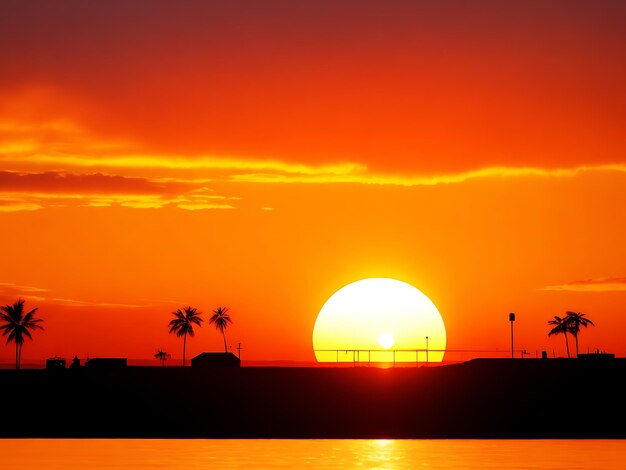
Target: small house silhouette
{"x": 215, "y": 359}
{"x": 596, "y": 356}
{"x": 55, "y": 363}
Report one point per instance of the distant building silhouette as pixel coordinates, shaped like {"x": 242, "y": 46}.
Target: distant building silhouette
{"x": 215, "y": 359}
{"x": 55, "y": 363}
{"x": 596, "y": 356}
{"x": 107, "y": 362}
{"x": 75, "y": 364}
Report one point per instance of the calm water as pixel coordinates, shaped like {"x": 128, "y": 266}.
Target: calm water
{"x": 70, "y": 454}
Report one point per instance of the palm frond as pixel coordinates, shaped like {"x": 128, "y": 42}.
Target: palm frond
{"x": 17, "y": 325}
{"x": 184, "y": 320}
{"x": 220, "y": 314}
{"x": 575, "y": 320}
{"x": 6, "y": 318}
{"x": 585, "y": 321}
{"x": 15, "y": 337}
{"x": 557, "y": 330}
{"x": 162, "y": 355}
{"x": 33, "y": 325}
{"x": 560, "y": 326}
{"x": 30, "y": 314}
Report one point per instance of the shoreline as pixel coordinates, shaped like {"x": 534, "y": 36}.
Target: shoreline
{"x": 481, "y": 398}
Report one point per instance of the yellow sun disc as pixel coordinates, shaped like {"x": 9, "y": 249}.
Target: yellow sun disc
{"x": 373, "y": 320}
{"x": 386, "y": 340}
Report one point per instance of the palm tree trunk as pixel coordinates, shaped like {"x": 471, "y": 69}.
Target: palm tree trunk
{"x": 225, "y": 347}
{"x": 17, "y": 356}
{"x": 567, "y": 346}
{"x": 184, "y": 348}
{"x": 576, "y": 338}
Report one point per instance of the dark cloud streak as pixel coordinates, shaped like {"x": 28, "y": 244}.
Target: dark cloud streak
{"x": 95, "y": 183}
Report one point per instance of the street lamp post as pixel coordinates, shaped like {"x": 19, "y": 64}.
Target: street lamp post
{"x": 512, "y": 320}
{"x": 427, "y": 351}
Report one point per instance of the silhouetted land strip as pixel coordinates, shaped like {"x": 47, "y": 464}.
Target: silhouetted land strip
{"x": 483, "y": 398}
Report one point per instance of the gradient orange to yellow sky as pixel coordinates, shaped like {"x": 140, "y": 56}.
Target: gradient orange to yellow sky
{"x": 263, "y": 154}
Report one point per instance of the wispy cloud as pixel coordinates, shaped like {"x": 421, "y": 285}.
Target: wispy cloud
{"x": 197, "y": 206}
{"x": 173, "y": 162}
{"x": 9, "y": 204}
{"x": 33, "y": 191}
{"x": 255, "y": 170}
{"x": 605, "y": 284}
{"x": 91, "y": 183}
{"x": 10, "y": 291}
{"x": 162, "y": 301}
{"x": 83, "y": 303}
{"x": 9, "y": 287}
{"x": 58, "y": 163}
{"x": 361, "y": 175}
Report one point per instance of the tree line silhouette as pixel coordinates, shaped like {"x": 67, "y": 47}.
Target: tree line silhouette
{"x": 16, "y": 325}
{"x": 162, "y": 356}
{"x": 570, "y": 323}
{"x": 185, "y": 319}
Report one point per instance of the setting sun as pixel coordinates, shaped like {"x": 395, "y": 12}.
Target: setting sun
{"x": 364, "y": 320}
{"x": 386, "y": 340}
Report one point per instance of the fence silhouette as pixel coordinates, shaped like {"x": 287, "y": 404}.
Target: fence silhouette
{"x": 408, "y": 357}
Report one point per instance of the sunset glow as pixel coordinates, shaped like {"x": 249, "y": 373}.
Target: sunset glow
{"x": 260, "y": 155}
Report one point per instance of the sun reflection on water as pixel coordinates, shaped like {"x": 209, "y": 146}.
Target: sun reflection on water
{"x": 95, "y": 454}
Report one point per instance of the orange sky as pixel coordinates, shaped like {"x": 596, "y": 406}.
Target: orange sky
{"x": 261, "y": 155}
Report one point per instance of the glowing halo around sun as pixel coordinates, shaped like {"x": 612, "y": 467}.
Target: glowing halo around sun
{"x": 380, "y": 318}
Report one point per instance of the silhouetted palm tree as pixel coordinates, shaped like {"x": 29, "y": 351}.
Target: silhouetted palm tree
{"x": 221, "y": 319}
{"x": 183, "y": 323}
{"x": 574, "y": 321}
{"x": 162, "y": 356}
{"x": 17, "y": 325}
{"x": 560, "y": 326}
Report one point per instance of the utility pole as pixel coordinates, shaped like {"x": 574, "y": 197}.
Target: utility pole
{"x": 239, "y": 348}
{"x": 512, "y": 320}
